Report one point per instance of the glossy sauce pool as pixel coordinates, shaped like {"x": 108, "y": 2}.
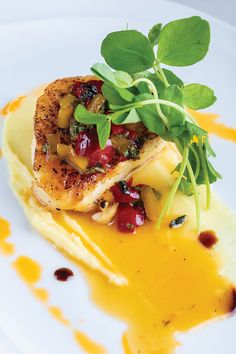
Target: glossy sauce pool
{"x": 174, "y": 284}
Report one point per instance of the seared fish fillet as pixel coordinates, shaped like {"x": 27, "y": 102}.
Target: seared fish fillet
{"x": 57, "y": 184}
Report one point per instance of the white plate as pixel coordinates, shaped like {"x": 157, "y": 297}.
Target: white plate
{"x": 38, "y": 52}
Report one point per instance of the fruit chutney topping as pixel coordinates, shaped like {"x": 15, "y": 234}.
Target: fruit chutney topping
{"x": 78, "y": 144}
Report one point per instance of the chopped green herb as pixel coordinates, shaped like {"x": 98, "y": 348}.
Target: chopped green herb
{"x": 95, "y": 169}
{"x": 178, "y": 222}
{"x": 132, "y": 153}
{"x": 154, "y": 33}
{"x": 76, "y": 128}
{"x": 129, "y": 226}
{"x": 46, "y": 148}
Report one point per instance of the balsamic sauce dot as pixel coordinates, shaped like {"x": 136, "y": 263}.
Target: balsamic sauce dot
{"x": 62, "y": 274}
{"x": 233, "y": 305}
{"x": 208, "y": 238}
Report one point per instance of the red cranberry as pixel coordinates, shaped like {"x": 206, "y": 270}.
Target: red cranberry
{"x": 121, "y": 158}
{"x": 102, "y": 157}
{"x": 98, "y": 84}
{"x": 124, "y": 193}
{"x": 117, "y": 129}
{"x": 129, "y": 217}
{"x": 129, "y": 182}
{"x": 132, "y": 134}
{"x": 86, "y": 143}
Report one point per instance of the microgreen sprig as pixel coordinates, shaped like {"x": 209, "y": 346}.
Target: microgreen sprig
{"x": 141, "y": 90}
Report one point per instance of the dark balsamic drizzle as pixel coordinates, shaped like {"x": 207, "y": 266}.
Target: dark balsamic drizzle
{"x": 62, "y": 274}
{"x": 208, "y": 238}
{"x": 233, "y": 305}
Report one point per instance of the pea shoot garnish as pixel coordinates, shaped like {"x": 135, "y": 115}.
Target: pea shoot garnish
{"x": 141, "y": 90}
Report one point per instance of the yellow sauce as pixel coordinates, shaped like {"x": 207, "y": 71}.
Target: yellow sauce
{"x": 41, "y": 294}
{"x": 6, "y": 247}
{"x": 174, "y": 283}
{"x": 125, "y": 344}
{"x": 58, "y": 315}
{"x": 12, "y": 106}
{"x": 88, "y": 345}
{"x": 28, "y": 269}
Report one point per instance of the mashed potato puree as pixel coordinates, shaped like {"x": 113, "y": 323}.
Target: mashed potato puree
{"x": 170, "y": 282}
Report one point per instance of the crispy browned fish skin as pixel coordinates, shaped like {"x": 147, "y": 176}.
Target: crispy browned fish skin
{"x": 59, "y": 185}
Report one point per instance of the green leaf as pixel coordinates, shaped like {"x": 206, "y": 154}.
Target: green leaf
{"x": 122, "y": 79}
{"x": 213, "y": 174}
{"x": 126, "y": 94}
{"x": 177, "y": 131}
{"x": 208, "y": 148}
{"x": 116, "y": 96}
{"x": 84, "y": 116}
{"x": 150, "y": 119}
{"x": 172, "y": 78}
{"x": 155, "y": 80}
{"x": 198, "y": 96}
{"x": 112, "y": 95}
{"x": 195, "y": 130}
{"x": 131, "y": 117}
{"x": 143, "y": 87}
{"x": 124, "y": 108}
{"x": 186, "y": 187}
{"x": 173, "y": 94}
{"x": 103, "y": 131}
{"x": 103, "y": 72}
{"x": 128, "y": 51}
{"x": 153, "y": 34}
{"x": 118, "y": 117}
{"x": 159, "y": 84}
{"x": 148, "y": 115}
{"x": 117, "y": 78}
{"x": 184, "y": 42}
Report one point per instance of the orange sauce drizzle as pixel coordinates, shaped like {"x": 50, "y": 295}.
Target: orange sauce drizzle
{"x": 11, "y": 106}
{"x": 58, "y": 315}
{"x": 88, "y": 345}
{"x": 28, "y": 269}
{"x": 30, "y": 272}
{"x": 209, "y": 122}
{"x": 125, "y": 345}
{"x": 41, "y": 294}
{"x": 6, "y": 247}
